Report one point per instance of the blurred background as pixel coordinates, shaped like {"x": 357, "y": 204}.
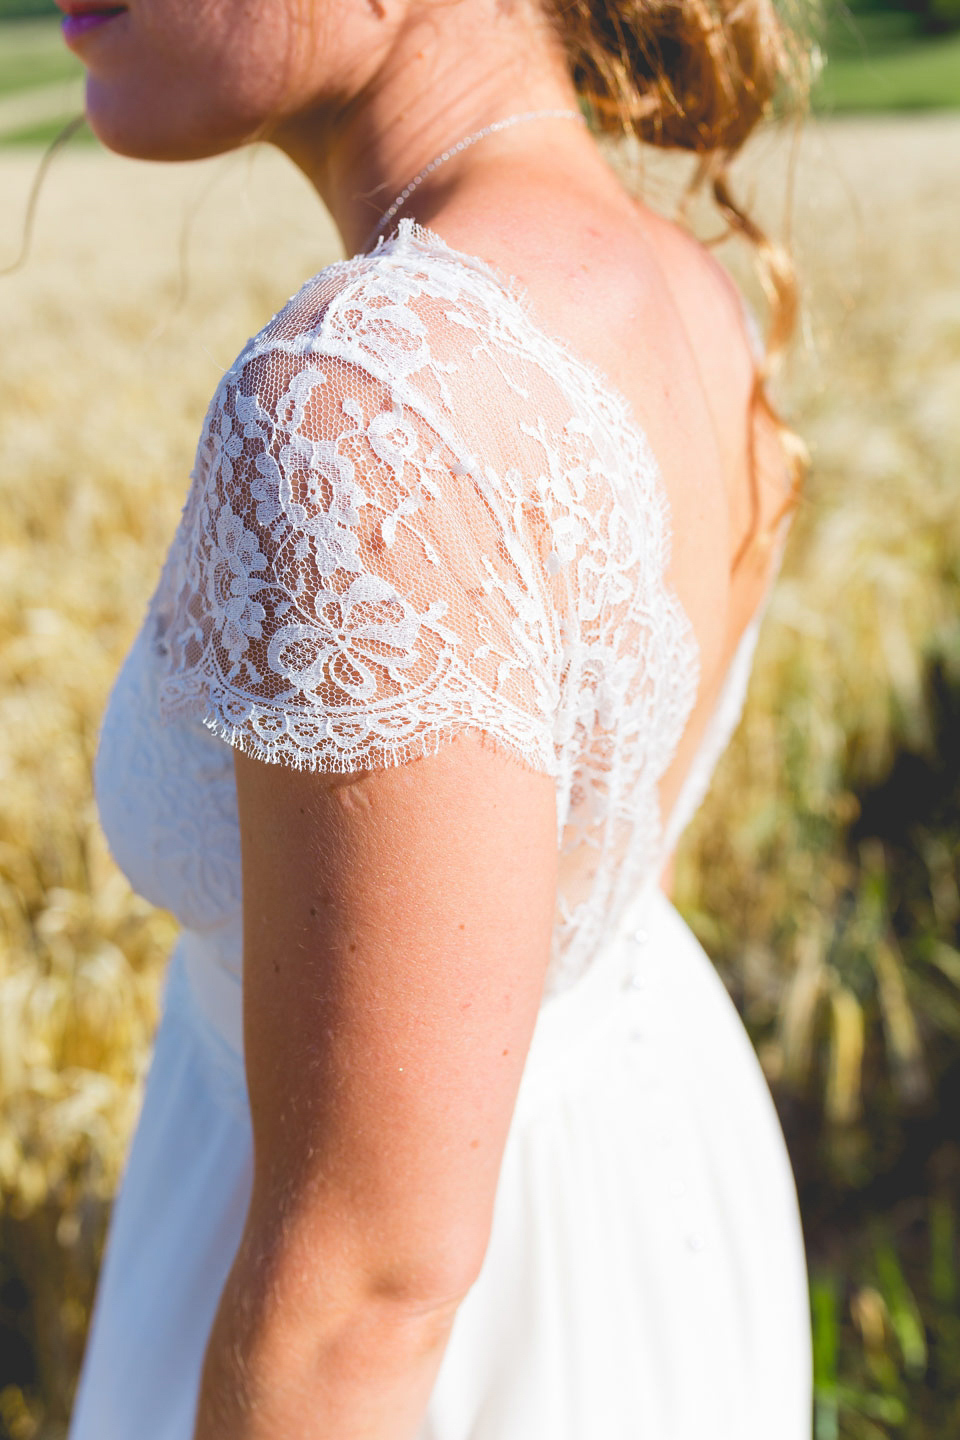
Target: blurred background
{"x": 823, "y": 871}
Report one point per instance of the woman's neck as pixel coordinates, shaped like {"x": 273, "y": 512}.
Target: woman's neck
{"x": 434, "y": 86}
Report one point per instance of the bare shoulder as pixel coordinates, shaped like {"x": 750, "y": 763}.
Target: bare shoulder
{"x": 709, "y": 300}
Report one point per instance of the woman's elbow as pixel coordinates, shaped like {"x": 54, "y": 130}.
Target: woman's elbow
{"x": 316, "y": 1270}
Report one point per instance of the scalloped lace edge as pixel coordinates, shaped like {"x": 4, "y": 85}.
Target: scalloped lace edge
{"x": 416, "y": 747}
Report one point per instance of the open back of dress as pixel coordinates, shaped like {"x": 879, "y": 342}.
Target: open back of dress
{"x": 413, "y": 515}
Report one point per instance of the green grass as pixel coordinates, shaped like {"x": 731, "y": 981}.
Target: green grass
{"x": 40, "y": 82}
{"x": 23, "y": 9}
{"x": 877, "y": 65}
{"x": 43, "y": 134}
{"x": 31, "y": 54}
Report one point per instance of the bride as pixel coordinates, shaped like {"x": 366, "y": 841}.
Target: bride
{"x": 450, "y": 1129}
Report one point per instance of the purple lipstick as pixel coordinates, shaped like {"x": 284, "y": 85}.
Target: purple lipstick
{"x": 78, "y": 18}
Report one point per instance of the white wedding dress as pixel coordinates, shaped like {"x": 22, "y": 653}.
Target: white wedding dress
{"x": 414, "y": 513}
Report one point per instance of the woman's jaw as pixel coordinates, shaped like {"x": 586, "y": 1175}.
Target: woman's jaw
{"x": 360, "y": 94}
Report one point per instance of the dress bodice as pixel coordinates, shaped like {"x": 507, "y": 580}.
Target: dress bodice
{"x": 412, "y": 514}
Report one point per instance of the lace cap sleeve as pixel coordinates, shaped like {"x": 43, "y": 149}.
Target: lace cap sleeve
{"x": 347, "y": 588}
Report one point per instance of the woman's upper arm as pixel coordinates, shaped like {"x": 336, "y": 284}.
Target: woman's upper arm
{"x": 397, "y": 926}
{"x": 367, "y": 613}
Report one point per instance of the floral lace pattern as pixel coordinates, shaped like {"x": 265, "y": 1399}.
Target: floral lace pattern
{"x": 414, "y": 514}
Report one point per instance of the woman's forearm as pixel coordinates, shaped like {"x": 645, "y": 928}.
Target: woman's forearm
{"x": 356, "y": 1370}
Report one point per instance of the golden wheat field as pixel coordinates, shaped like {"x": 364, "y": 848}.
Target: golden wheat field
{"x": 140, "y": 285}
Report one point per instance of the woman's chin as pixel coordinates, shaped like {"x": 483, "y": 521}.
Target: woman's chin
{"x": 130, "y": 130}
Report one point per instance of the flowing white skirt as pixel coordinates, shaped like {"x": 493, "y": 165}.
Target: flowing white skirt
{"x": 645, "y": 1277}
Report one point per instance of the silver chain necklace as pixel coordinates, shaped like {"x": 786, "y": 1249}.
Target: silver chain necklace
{"x": 408, "y": 190}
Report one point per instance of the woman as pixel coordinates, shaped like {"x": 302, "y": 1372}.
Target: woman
{"x": 451, "y": 1130}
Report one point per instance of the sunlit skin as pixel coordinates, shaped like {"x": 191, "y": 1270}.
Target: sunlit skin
{"x": 332, "y": 84}
{"x": 361, "y": 94}
{"x": 340, "y": 1312}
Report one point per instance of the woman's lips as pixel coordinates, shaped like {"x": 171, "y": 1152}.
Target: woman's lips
{"x": 79, "y": 20}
